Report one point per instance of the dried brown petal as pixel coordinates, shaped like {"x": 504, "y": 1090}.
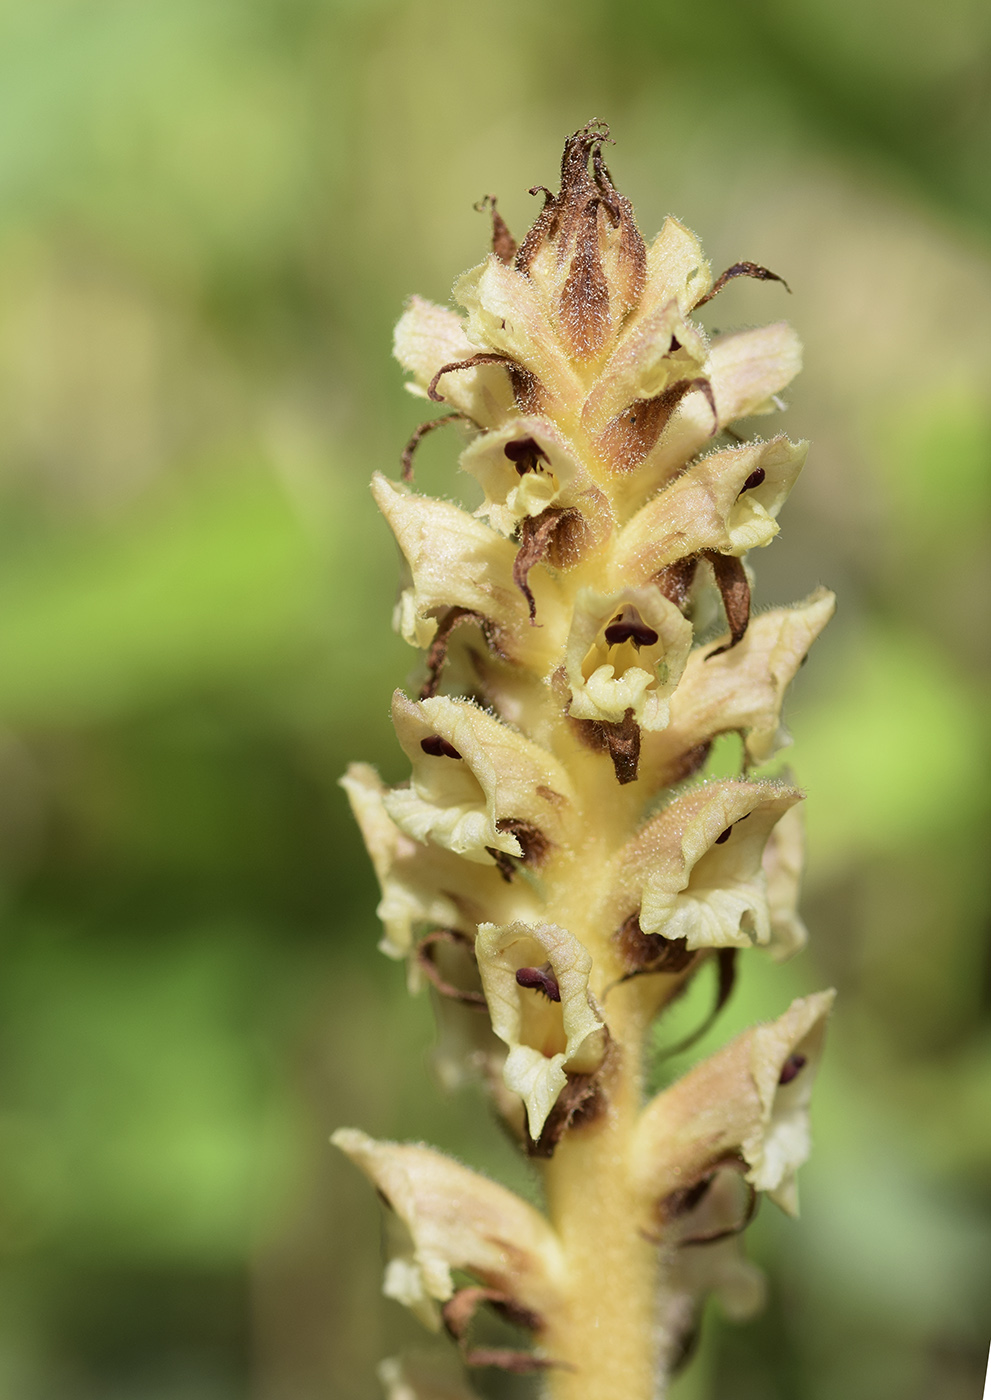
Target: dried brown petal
{"x": 631, "y": 435}
{"x": 430, "y": 970}
{"x": 579, "y": 1102}
{"x": 584, "y": 303}
{"x": 742, "y": 269}
{"x": 623, "y": 742}
{"x": 503, "y": 242}
{"x": 650, "y": 952}
{"x": 437, "y": 655}
{"x": 734, "y": 588}
{"x": 675, "y": 580}
{"x": 557, "y": 535}
{"x": 482, "y": 358}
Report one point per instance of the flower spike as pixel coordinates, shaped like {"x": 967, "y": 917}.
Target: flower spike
{"x": 557, "y": 867}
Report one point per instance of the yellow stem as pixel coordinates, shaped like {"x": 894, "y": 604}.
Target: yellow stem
{"x": 608, "y": 1334}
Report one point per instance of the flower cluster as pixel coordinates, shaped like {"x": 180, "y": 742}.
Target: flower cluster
{"x": 557, "y": 866}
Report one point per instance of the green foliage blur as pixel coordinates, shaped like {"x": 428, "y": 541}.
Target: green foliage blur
{"x": 211, "y": 212}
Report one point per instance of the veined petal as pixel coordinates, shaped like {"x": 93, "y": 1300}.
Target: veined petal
{"x": 423, "y": 883}
{"x": 740, "y": 690}
{"x": 456, "y": 1219}
{"x": 507, "y": 314}
{"x": 458, "y": 561}
{"x": 546, "y": 1035}
{"x": 711, "y": 506}
{"x": 747, "y": 368}
{"x": 750, "y": 1098}
{"x": 428, "y": 337}
{"x": 695, "y": 869}
{"x": 477, "y": 785}
{"x": 626, "y": 651}
{"x": 524, "y": 468}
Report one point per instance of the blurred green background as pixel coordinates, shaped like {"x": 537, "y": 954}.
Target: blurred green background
{"x": 211, "y": 212}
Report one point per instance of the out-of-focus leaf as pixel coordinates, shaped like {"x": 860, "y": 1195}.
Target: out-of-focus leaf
{"x": 225, "y": 579}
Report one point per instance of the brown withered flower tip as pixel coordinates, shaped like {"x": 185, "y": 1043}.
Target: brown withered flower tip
{"x": 503, "y": 242}
{"x": 742, "y": 269}
{"x": 575, "y": 680}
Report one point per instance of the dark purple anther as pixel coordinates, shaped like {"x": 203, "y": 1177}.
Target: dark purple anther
{"x": 539, "y": 979}
{"x": 754, "y": 479}
{"x": 437, "y": 747}
{"x": 792, "y": 1066}
{"x": 524, "y": 453}
{"x": 629, "y": 626}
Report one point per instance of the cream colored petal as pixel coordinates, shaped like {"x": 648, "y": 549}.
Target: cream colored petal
{"x": 745, "y": 370}
{"x": 691, "y": 879}
{"x": 424, "y": 1378}
{"x": 457, "y": 1219}
{"x": 607, "y": 680}
{"x": 506, "y": 314}
{"x": 644, "y": 365}
{"x": 777, "y": 1146}
{"x": 458, "y": 561}
{"x": 740, "y": 690}
{"x": 676, "y": 268}
{"x": 559, "y": 481}
{"x": 722, "y": 1269}
{"x": 424, "y": 884}
{"x": 455, "y": 560}
{"x": 748, "y": 368}
{"x": 464, "y": 803}
{"x": 783, "y": 859}
{"x": 717, "y": 1266}
{"x": 430, "y": 336}
{"x": 707, "y": 508}
{"x": 545, "y": 1037}
{"x": 734, "y": 1102}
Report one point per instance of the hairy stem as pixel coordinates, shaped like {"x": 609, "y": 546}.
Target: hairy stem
{"x": 609, "y": 1330}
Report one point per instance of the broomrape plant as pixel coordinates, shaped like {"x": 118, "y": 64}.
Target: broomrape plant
{"x": 556, "y": 867}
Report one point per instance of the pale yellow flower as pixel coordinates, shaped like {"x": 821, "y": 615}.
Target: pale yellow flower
{"x": 750, "y": 1098}
{"x": 456, "y": 1220}
{"x": 423, "y": 884}
{"x": 626, "y": 651}
{"x": 694, "y": 871}
{"x": 535, "y": 978}
{"x": 738, "y": 691}
{"x": 477, "y": 786}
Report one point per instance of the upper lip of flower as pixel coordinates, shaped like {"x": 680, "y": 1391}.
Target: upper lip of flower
{"x": 735, "y": 1102}
{"x": 472, "y": 802}
{"x": 458, "y": 1219}
{"x": 696, "y": 868}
